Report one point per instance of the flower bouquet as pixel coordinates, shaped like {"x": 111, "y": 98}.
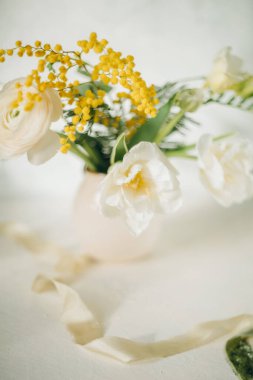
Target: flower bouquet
{"x": 126, "y": 133}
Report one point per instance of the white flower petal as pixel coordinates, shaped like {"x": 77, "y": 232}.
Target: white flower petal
{"x": 20, "y": 131}
{"x": 225, "y": 168}
{"x": 56, "y": 105}
{"x": 45, "y": 149}
{"x": 226, "y": 71}
{"x": 208, "y": 163}
{"x": 166, "y": 184}
{"x": 138, "y": 221}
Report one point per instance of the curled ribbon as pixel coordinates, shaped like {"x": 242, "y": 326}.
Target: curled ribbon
{"x": 68, "y": 264}
{"x": 87, "y": 331}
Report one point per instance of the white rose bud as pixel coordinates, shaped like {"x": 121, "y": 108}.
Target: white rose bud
{"x": 190, "y": 100}
{"x": 226, "y": 71}
{"x": 225, "y": 168}
{"x": 143, "y": 184}
{"x": 28, "y": 131}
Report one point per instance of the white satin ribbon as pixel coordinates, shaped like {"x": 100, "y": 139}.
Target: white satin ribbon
{"x": 77, "y": 318}
{"x": 65, "y": 262}
{"x": 23, "y": 235}
{"x": 127, "y": 351}
{"x": 87, "y": 331}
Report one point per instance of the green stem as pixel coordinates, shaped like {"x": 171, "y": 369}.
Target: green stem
{"x": 91, "y": 152}
{"x": 191, "y": 79}
{"x": 119, "y": 147}
{"x": 182, "y": 151}
{"x": 84, "y": 157}
{"x": 167, "y": 128}
{"x": 180, "y": 154}
{"x": 224, "y": 136}
{"x": 186, "y": 147}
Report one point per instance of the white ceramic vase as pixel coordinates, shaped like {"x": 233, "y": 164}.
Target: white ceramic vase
{"x": 105, "y": 238}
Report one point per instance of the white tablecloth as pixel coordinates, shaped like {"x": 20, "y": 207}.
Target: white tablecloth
{"x": 201, "y": 270}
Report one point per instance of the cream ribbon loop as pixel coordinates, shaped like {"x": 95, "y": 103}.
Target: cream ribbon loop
{"x": 23, "y": 235}
{"x": 87, "y": 331}
{"x": 78, "y": 319}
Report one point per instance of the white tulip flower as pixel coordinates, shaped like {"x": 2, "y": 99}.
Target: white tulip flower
{"x": 143, "y": 184}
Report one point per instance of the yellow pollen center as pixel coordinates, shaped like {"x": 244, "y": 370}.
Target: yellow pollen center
{"x": 137, "y": 183}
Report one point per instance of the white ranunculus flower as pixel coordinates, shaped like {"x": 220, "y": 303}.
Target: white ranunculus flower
{"x": 143, "y": 184}
{"x": 225, "y": 168}
{"x": 28, "y": 131}
{"x": 226, "y": 71}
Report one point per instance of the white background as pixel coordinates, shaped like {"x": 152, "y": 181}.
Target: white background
{"x": 170, "y": 39}
{"x": 204, "y": 270}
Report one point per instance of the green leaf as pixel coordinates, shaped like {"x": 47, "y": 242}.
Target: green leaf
{"x": 119, "y": 149}
{"x": 169, "y": 127}
{"x": 50, "y": 67}
{"x": 101, "y": 86}
{"x": 15, "y": 113}
{"x": 149, "y": 130}
{"x": 83, "y": 72}
{"x": 68, "y": 113}
{"x": 93, "y": 86}
{"x": 82, "y": 88}
{"x": 240, "y": 355}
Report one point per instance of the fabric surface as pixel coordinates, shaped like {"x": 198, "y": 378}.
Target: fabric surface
{"x": 201, "y": 271}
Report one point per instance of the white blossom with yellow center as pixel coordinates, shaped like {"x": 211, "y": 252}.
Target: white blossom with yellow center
{"x": 145, "y": 183}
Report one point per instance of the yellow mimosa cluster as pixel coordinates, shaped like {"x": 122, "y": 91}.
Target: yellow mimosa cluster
{"x": 83, "y": 108}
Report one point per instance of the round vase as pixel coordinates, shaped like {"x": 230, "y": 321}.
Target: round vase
{"x": 106, "y": 238}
